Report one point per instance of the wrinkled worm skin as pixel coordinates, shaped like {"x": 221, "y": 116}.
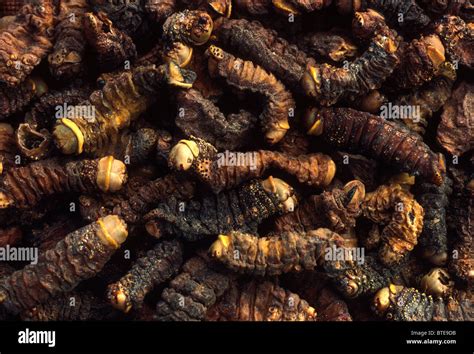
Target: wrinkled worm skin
{"x": 79, "y": 256}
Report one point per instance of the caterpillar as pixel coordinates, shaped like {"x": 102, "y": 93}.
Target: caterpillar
{"x": 159, "y": 264}
{"x": 191, "y": 293}
{"x": 14, "y": 100}
{"x": 337, "y": 210}
{"x": 227, "y": 170}
{"x": 159, "y": 11}
{"x": 243, "y": 208}
{"x": 246, "y": 76}
{"x": 123, "y": 98}
{"x": 111, "y": 46}
{"x": 190, "y": 27}
{"x": 71, "y": 306}
{"x": 200, "y": 117}
{"x": 7, "y": 147}
{"x": 260, "y": 301}
{"x": 274, "y": 255}
{"x": 429, "y": 98}
{"x": 33, "y": 144}
{"x": 433, "y": 238}
{"x": 25, "y": 41}
{"x": 374, "y": 137}
{"x": 437, "y": 282}
{"x": 66, "y": 61}
{"x": 398, "y": 303}
{"x": 24, "y": 187}
{"x": 403, "y": 217}
{"x": 80, "y": 255}
{"x": 294, "y": 143}
{"x": 328, "y": 45}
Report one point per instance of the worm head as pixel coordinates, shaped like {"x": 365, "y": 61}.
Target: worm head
{"x": 32, "y": 143}
{"x": 311, "y": 81}
{"x": 191, "y": 27}
{"x": 182, "y": 155}
{"x": 219, "y": 248}
{"x": 111, "y": 174}
{"x": 179, "y": 53}
{"x": 313, "y": 122}
{"x": 434, "y": 49}
{"x": 383, "y": 298}
{"x": 372, "y": 102}
{"x": 366, "y": 23}
{"x": 437, "y": 282}
{"x": 222, "y": 7}
{"x": 112, "y": 230}
{"x": 179, "y": 77}
{"x": 277, "y": 132}
{"x": 119, "y": 298}
{"x": 284, "y": 192}
{"x": 354, "y": 194}
{"x": 39, "y": 86}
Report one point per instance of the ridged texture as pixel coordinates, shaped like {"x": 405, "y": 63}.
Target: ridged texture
{"x": 27, "y": 185}
{"x": 26, "y": 41}
{"x": 243, "y": 209}
{"x": 387, "y": 141}
{"x": 403, "y": 217}
{"x": 72, "y": 306}
{"x": 328, "y": 45}
{"x": 260, "y": 301}
{"x": 13, "y": 100}
{"x": 274, "y": 255}
{"x": 200, "y": 117}
{"x": 66, "y": 61}
{"x": 160, "y": 263}
{"x": 77, "y": 257}
{"x": 189, "y": 295}
{"x": 246, "y": 76}
{"x": 414, "y": 17}
{"x": 160, "y": 10}
{"x": 8, "y": 149}
{"x": 229, "y": 169}
{"x": 407, "y": 304}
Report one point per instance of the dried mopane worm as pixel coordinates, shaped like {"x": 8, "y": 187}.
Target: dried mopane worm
{"x": 25, "y": 41}
{"x": 112, "y": 47}
{"x": 66, "y": 60}
{"x": 456, "y": 129}
{"x": 337, "y": 210}
{"x": 402, "y": 217}
{"x": 260, "y": 301}
{"x": 160, "y": 10}
{"x": 328, "y": 45}
{"x": 245, "y": 75}
{"x": 32, "y": 143}
{"x": 398, "y": 303}
{"x": 79, "y": 256}
{"x": 462, "y": 8}
{"x": 229, "y": 169}
{"x": 200, "y": 117}
{"x": 7, "y": 147}
{"x": 71, "y": 306}
{"x": 13, "y": 100}
{"x": 378, "y": 138}
{"x": 159, "y": 264}
{"x": 243, "y": 208}
{"x": 274, "y": 255}
{"x": 24, "y": 187}
{"x": 433, "y": 239}
{"x": 189, "y": 295}
{"x": 124, "y": 98}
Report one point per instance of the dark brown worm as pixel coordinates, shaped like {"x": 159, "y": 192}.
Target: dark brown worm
{"x": 243, "y": 209}
{"x": 375, "y": 137}
{"x": 337, "y": 210}
{"x": 246, "y": 76}
{"x": 67, "y": 60}
{"x": 159, "y": 11}
{"x": 398, "y": 303}
{"x": 24, "y": 187}
{"x": 191, "y": 27}
{"x": 328, "y": 45}
{"x": 25, "y": 41}
{"x": 32, "y": 143}
{"x": 189, "y": 295}
{"x": 7, "y": 147}
{"x": 260, "y": 301}
{"x": 13, "y": 100}
{"x": 226, "y": 170}
{"x": 159, "y": 264}
{"x": 461, "y": 8}
{"x": 81, "y": 255}
{"x": 274, "y": 255}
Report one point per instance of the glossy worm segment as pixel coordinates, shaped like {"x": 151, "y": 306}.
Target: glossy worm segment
{"x": 229, "y": 169}
{"x": 245, "y": 75}
{"x": 13, "y": 100}
{"x": 189, "y": 295}
{"x": 402, "y": 216}
{"x": 274, "y": 255}
{"x": 24, "y": 187}
{"x": 260, "y": 301}
{"x": 243, "y": 209}
{"x": 337, "y": 210}
{"x": 79, "y": 256}
{"x": 159, "y": 264}
{"x": 25, "y": 41}
{"x": 378, "y": 138}
{"x": 66, "y": 61}
{"x": 71, "y": 306}
{"x": 115, "y": 106}
{"x": 398, "y": 303}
